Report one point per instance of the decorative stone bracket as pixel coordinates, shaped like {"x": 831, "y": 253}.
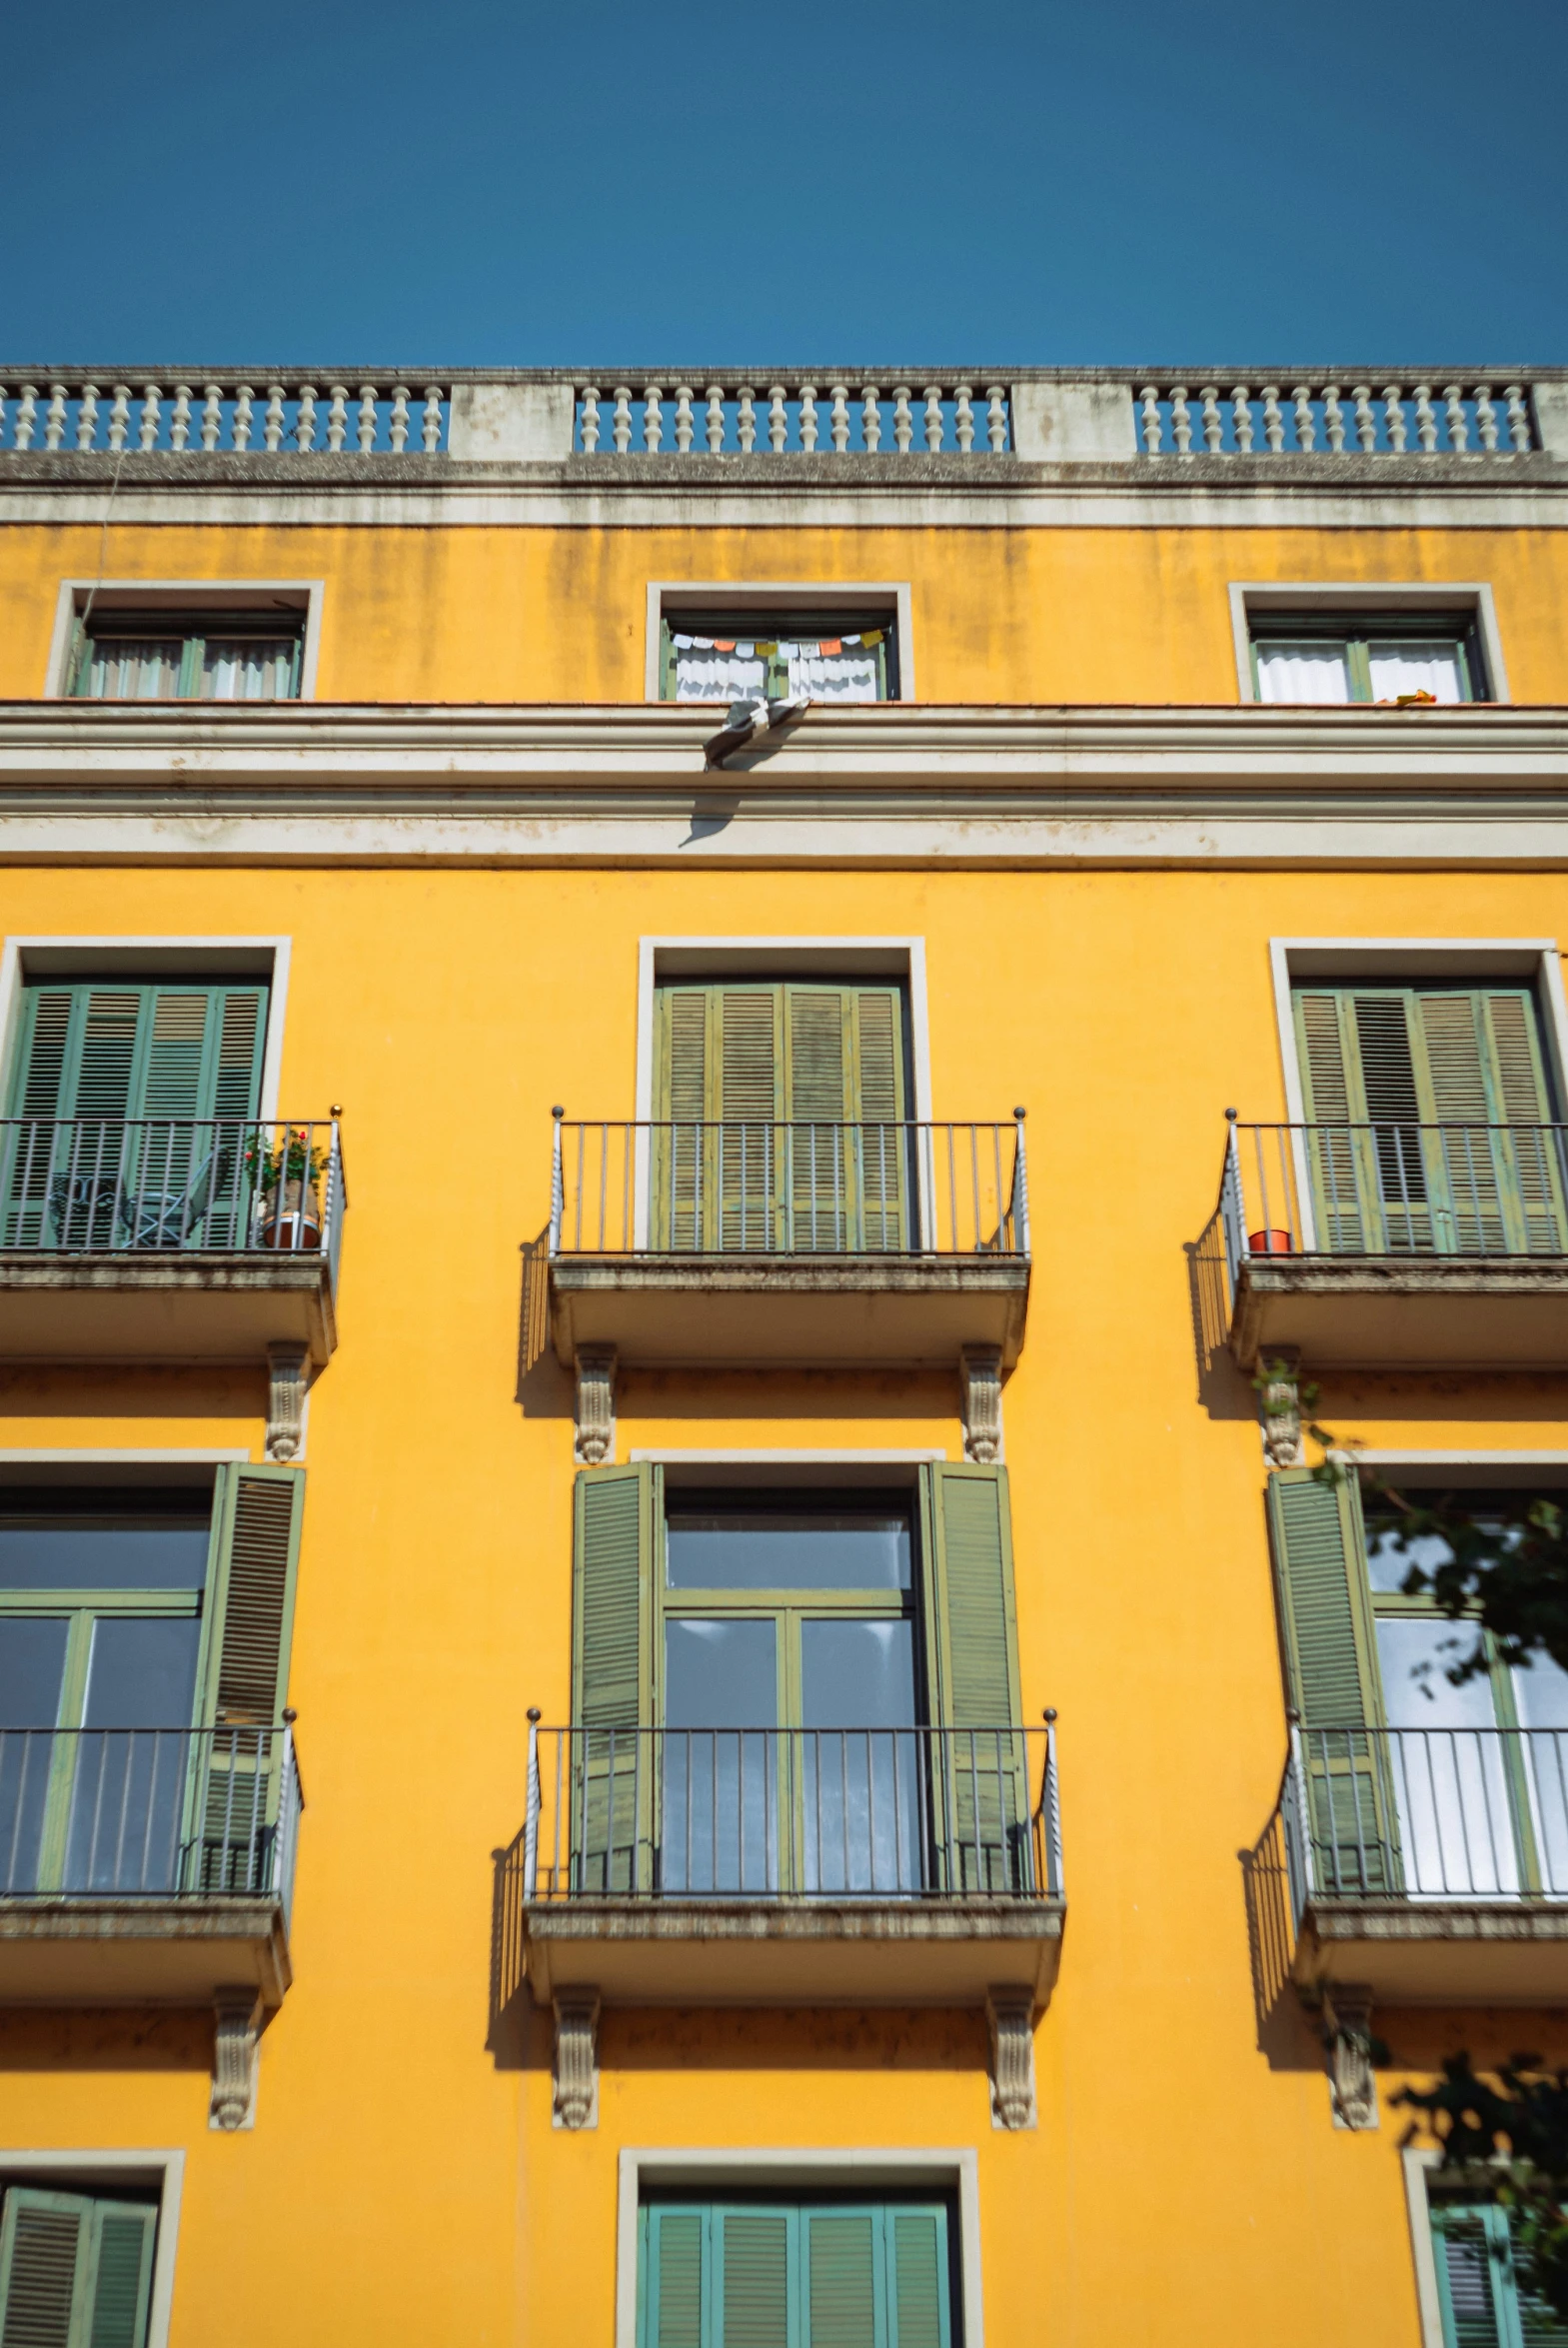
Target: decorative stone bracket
{"x": 595, "y": 1405}
{"x": 1010, "y": 2013}
{"x": 237, "y": 2017}
{"x": 980, "y": 1379}
{"x": 287, "y": 1365}
{"x": 1278, "y": 1386}
{"x": 1347, "y": 2031}
{"x": 577, "y": 2060}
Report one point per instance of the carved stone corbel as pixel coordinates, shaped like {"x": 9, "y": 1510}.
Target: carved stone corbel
{"x": 979, "y": 1380}
{"x": 1278, "y": 1386}
{"x": 1010, "y": 2011}
{"x": 595, "y": 1405}
{"x": 577, "y": 2060}
{"x": 287, "y": 1364}
{"x": 1348, "y": 2030}
{"x": 236, "y": 2016}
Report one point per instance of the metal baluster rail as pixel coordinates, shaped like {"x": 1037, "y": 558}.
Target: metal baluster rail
{"x": 796, "y": 1186}
{"x": 1427, "y": 1814}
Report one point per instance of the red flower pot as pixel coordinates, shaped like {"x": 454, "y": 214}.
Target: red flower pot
{"x": 1270, "y": 1243}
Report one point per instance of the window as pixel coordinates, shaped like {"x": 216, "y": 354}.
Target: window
{"x": 153, "y": 655}
{"x": 812, "y": 2274}
{"x": 810, "y": 1690}
{"x": 1429, "y": 1119}
{"x": 833, "y": 656}
{"x": 780, "y": 1109}
{"x": 76, "y": 2269}
{"x": 143, "y": 1634}
{"x": 1367, "y": 657}
{"x": 1483, "y": 2302}
{"x": 1415, "y": 1786}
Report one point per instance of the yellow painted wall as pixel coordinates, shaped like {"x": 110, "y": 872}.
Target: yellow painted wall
{"x": 401, "y": 2185}
{"x": 1004, "y": 615}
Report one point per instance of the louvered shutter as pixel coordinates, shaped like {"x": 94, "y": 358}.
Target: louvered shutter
{"x": 671, "y": 2300}
{"x": 845, "y": 2285}
{"x": 879, "y": 1095}
{"x": 980, "y": 1780}
{"x": 749, "y": 1103}
{"x": 755, "y": 2257}
{"x": 1473, "y": 2283}
{"x": 612, "y": 1677}
{"x": 918, "y": 2278}
{"x": 249, "y": 1625}
{"x": 683, "y": 1152}
{"x": 1343, "y": 1197}
{"x": 1320, "y": 1551}
{"x": 45, "y": 2240}
{"x": 1531, "y": 1168}
{"x": 119, "y": 2286}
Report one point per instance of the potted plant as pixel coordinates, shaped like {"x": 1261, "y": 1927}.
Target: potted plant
{"x": 287, "y": 1172}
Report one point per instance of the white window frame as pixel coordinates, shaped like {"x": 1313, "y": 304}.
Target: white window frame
{"x": 1315, "y": 598}
{"x": 1418, "y": 2168}
{"x": 92, "y": 2171}
{"x": 802, "y": 2172}
{"x": 74, "y": 958}
{"x": 153, "y": 596}
{"x": 667, "y": 597}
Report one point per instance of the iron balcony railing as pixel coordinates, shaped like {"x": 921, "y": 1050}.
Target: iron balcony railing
{"x": 790, "y": 1814}
{"x": 1426, "y": 1814}
{"x": 792, "y": 1187}
{"x": 1388, "y": 1189}
{"x": 139, "y": 1186}
{"x": 157, "y": 1813}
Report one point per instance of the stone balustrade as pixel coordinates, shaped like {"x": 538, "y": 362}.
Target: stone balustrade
{"x": 1069, "y": 416}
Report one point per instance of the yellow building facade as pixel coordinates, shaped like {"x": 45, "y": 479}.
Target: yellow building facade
{"x": 695, "y": 1077}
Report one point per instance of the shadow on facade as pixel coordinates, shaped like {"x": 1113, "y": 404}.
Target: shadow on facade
{"x": 1223, "y": 1391}
{"x": 1284, "y": 2031}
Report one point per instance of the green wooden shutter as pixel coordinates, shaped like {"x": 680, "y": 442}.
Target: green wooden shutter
{"x": 258, "y": 1513}
{"x": 918, "y": 2275}
{"x": 673, "y": 2302}
{"x": 75, "y": 2272}
{"x": 845, "y": 2282}
{"x": 612, "y": 1796}
{"x": 746, "y": 1062}
{"x": 120, "y": 2284}
{"x": 1319, "y": 1548}
{"x": 980, "y": 1781}
{"x": 755, "y": 2255}
{"x": 878, "y": 1094}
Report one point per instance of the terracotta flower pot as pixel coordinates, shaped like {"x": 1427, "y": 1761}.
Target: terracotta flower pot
{"x": 291, "y": 1217}
{"x": 1270, "y": 1243}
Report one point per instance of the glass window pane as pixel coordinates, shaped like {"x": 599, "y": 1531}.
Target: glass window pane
{"x": 720, "y": 1774}
{"x": 134, "y": 667}
{"x": 132, "y": 1757}
{"x": 32, "y": 1668}
{"x": 860, "y": 1764}
{"x": 858, "y": 1674}
{"x": 142, "y": 1672}
{"x": 247, "y": 669}
{"x": 1541, "y": 1698}
{"x": 1448, "y": 1764}
{"x": 736, "y": 1541}
{"x": 1310, "y": 670}
{"x": 104, "y": 1540}
{"x": 1415, "y": 668}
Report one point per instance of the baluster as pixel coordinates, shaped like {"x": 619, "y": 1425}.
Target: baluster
{"x": 1366, "y": 422}
{"x": 808, "y": 417}
{"x": 716, "y": 418}
{"x": 962, "y": 419}
{"x": 1180, "y": 420}
{"x": 903, "y": 424}
{"x": 653, "y": 418}
{"x": 590, "y": 425}
{"x": 272, "y": 422}
{"x": 368, "y": 417}
{"x": 305, "y": 422}
{"x": 996, "y": 419}
{"x": 119, "y": 416}
{"x": 1333, "y": 420}
{"x": 1454, "y": 415}
{"x": 934, "y": 418}
{"x": 337, "y": 418}
{"x": 872, "y": 420}
{"x": 1518, "y": 418}
{"x": 431, "y": 430}
{"x": 1394, "y": 418}
{"x": 1425, "y": 421}
{"x": 26, "y": 412}
{"x": 1485, "y": 417}
{"x": 54, "y": 421}
{"x": 87, "y": 416}
{"x": 621, "y": 422}
{"x": 1154, "y": 429}
{"x": 746, "y": 419}
{"x": 839, "y": 425}
{"x": 212, "y": 416}
{"x": 1214, "y": 426}
{"x": 1306, "y": 426}
{"x": 683, "y": 419}
{"x": 2, "y": 414}
{"x": 180, "y": 421}
{"x": 1273, "y": 420}
{"x": 777, "y": 421}
{"x": 1241, "y": 418}
{"x": 400, "y": 418}
{"x": 147, "y": 433}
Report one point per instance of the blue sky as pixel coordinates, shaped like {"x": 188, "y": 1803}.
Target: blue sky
{"x": 473, "y": 183}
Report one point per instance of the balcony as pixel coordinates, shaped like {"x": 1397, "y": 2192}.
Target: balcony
{"x": 145, "y": 1864}
{"x": 785, "y": 1866}
{"x": 153, "y": 1240}
{"x": 1427, "y": 1865}
{"x": 1394, "y": 1246}
{"x": 757, "y": 1242}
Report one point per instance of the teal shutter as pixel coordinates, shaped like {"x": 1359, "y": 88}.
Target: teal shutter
{"x": 1319, "y": 1548}
{"x": 1483, "y": 2302}
{"x": 617, "y": 1509}
{"x": 846, "y": 2279}
{"x": 120, "y": 2286}
{"x": 776, "y": 2275}
{"x": 919, "y": 2279}
{"x": 258, "y": 1514}
{"x": 979, "y": 1775}
{"x": 75, "y": 2272}
{"x": 756, "y": 2255}
{"x": 673, "y": 2301}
